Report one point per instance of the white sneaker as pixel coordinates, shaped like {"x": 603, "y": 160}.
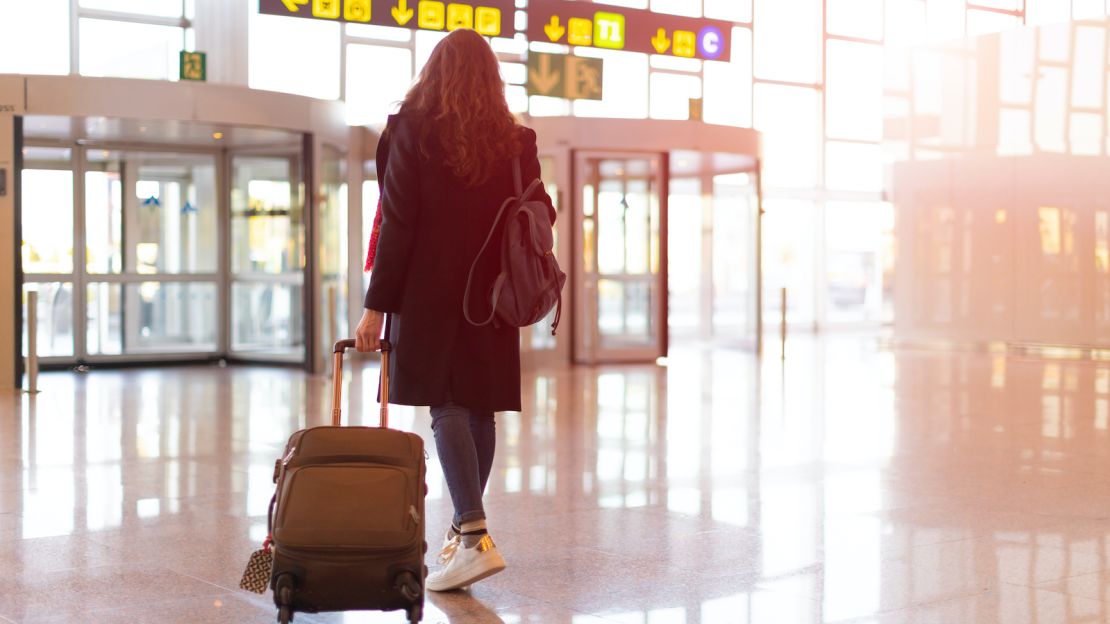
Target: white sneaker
{"x": 463, "y": 565}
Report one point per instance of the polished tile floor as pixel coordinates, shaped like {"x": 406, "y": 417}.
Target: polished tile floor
{"x": 851, "y": 484}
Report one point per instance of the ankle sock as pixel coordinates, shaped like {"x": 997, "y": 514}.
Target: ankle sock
{"x": 472, "y": 532}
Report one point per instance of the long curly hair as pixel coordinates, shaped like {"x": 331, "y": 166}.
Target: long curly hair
{"x": 461, "y": 91}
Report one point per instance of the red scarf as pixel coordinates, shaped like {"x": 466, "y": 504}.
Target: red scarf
{"x": 374, "y": 233}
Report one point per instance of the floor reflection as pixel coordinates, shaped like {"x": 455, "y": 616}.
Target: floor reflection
{"x": 850, "y": 484}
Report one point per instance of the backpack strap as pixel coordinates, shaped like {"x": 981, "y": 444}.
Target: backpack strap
{"x": 518, "y": 188}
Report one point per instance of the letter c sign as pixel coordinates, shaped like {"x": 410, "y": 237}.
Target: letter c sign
{"x": 711, "y": 42}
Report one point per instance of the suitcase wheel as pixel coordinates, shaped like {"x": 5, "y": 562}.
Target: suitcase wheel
{"x": 283, "y": 596}
{"x": 416, "y": 613}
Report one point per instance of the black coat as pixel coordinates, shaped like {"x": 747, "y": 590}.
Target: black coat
{"x": 432, "y": 227}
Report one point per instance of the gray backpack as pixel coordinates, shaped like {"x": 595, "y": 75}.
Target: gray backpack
{"x": 530, "y": 283}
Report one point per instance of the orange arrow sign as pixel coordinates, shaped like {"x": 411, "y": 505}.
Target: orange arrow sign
{"x": 402, "y": 13}
{"x": 554, "y": 30}
{"x": 660, "y": 41}
{"x": 545, "y": 79}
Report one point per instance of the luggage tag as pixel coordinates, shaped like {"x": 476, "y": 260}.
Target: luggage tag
{"x": 256, "y": 578}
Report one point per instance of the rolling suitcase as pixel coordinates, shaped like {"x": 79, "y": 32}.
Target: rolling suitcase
{"x": 347, "y": 520}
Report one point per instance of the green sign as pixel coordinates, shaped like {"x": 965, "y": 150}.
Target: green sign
{"x": 194, "y": 66}
{"x": 564, "y": 76}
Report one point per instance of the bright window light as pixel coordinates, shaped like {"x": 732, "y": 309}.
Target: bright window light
{"x": 1088, "y": 67}
{"x": 127, "y": 50}
{"x": 1047, "y": 11}
{"x": 296, "y": 56}
{"x": 156, "y": 8}
{"x": 671, "y": 95}
{"x": 1050, "y": 109}
{"x": 788, "y": 118}
{"x": 944, "y": 19}
{"x": 903, "y": 23}
{"x": 1086, "y": 9}
{"x": 372, "y": 95}
{"x": 854, "y": 90}
{"x": 855, "y": 18}
{"x": 988, "y": 22}
{"x": 624, "y": 86}
{"x": 691, "y": 8}
{"x": 728, "y": 86}
{"x": 1085, "y": 134}
{"x": 730, "y": 10}
{"x": 853, "y": 167}
{"x": 34, "y": 37}
{"x": 788, "y": 40}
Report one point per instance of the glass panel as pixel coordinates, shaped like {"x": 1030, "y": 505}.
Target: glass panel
{"x": 54, "y": 317}
{"x": 47, "y": 218}
{"x": 855, "y": 18}
{"x": 1047, "y": 11}
{"x": 903, "y": 22}
{"x": 624, "y": 312}
{"x": 853, "y": 167}
{"x": 691, "y": 8}
{"x": 158, "y": 8}
{"x": 371, "y": 100}
{"x": 788, "y": 40}
{"x": 987, "y": 22}
{"x": 729, "y": 10}
{"x": 734, "y": 208}
{"x": 671, "y": 95}
{"x": 332, "y": 246}
{"x": 103, "y": 218}
{"x": 788, "y": 243}
{"x": 34, "y": 37}
{"x": 1050, "y": 109}
{"x": 853, "y": 265}
{"x": 728, "y": 86}
{"x": 295, "y": 55}
{"x": 1012, "y": 5}
{"x": 1086, "y": 9}
{"x": 1088, "y": 68}
{"x": 788, "y": 118}
{"x": 169, "y": 317}
{"x": 267, "y": 235}
{"x": 128, "y": 50}
{"x": 103, "y": 327}
{"x": 625, "y": 226}
{"x": 944, "y": 19}
{"x": 854, "y": 91}
{"x": 169, "y": 212}
{"x": 267, "y": 318}
{"x": 684, "y": 245}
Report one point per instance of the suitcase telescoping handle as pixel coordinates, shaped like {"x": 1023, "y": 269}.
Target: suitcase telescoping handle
{"x": 337, "y": 381}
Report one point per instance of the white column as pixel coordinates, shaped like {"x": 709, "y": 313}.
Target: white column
{"x": 222, "y": 32}
{"x": 11, "y": 104}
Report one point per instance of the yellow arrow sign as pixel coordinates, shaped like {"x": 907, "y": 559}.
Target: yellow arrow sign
{"x": 554, "y": 30}
{"x": 545, "y": 79}
{"x": 292, "y": 5}
{"x": 402, "y": 13}
{"x": 660, "y": 41}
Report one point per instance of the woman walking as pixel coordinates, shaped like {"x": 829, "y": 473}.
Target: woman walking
{"x": 445, "y": 162}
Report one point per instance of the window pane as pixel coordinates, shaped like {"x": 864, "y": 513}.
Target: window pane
{"x": 729, "y": 10}
{"x": 159, "y": 8}
{"x": 853, "y": 167}
{"x": 1050, "y": 109}
{"x": 788, "y": 119}
{"x": 853, "y": 265}
{"x": 377, "y": 80}
{"x": 54, "y": 318}
{"x": 986, "y": 22}
{"x": 788, "y": 243}
{"x": 684, "y": 242}
{"x": 854, "y": 90}
{"x": 47, "y": 219}
{"x": 1085, "y": 9}
{"x": 855, "y": 18}
{"x": 1016, "y": 64}
{"x": 1085, "y": 134}
{"x": 1047, "y": 11}
{"x": 1013, "y": 5}
{"x": 103, "y": 330}
{"x": 1088, "y": 67}
{"x": 298, "y": 56}
{"x": 903, "y": 22}
{"x": 267, "y": 318}
{"x": 103, "y": 219}
{"x": 677, "y": 7}
{"x": 169, "y": 317}
{"x": 129, "y": 50}
{"x": 945, "y": 19}
{"x": 624, "y": 85}
{"x": 34, "y": 37}
{"x": 671, "y": 95}
{"x": 788, "y": 40}
{"x": 267, "y": 235}
{"x": 728, "y": 86}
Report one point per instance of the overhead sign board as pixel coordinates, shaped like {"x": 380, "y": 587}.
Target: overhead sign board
{"x": 618, "y": 28}
{"x": 564, "y": 76}
{"x": 492, "y": 18}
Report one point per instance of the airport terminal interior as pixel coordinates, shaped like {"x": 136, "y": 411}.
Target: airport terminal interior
{"x": 832, "y": 343}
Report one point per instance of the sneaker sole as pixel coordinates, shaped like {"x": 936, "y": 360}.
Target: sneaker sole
{"x": 467, "y": 578}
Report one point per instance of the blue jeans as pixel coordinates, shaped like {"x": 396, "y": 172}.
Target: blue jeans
{"x": 465, "y": 441}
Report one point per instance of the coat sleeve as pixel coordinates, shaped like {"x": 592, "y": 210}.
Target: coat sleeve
{"x": 400, "y": 220}
{"x": 530, "y": 169}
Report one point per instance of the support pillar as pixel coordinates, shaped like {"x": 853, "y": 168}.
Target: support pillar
{"x": 12, "y": 97}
